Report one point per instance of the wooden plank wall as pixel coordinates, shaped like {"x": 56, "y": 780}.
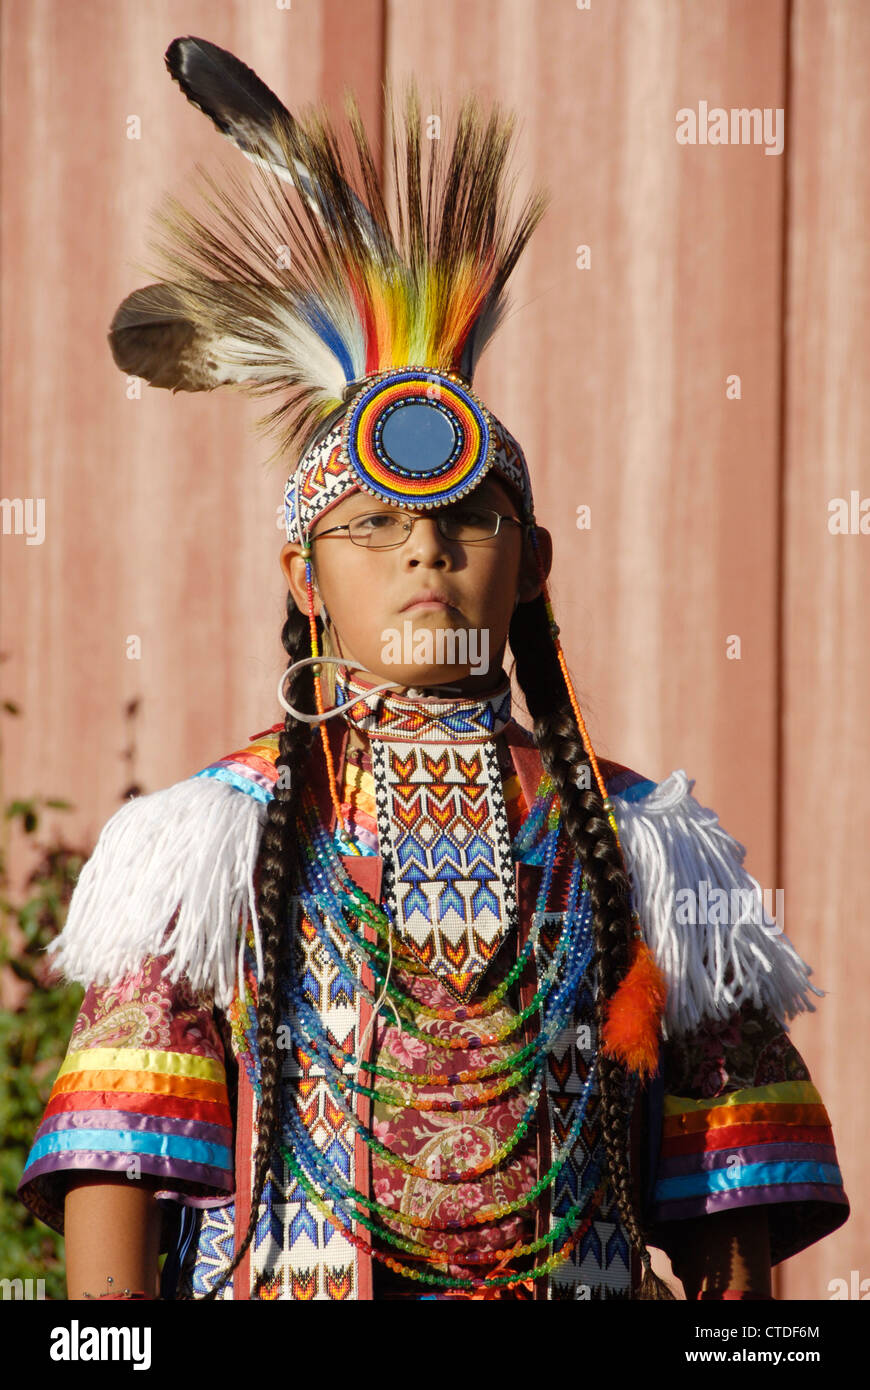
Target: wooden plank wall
{"x": 699, "y": 387}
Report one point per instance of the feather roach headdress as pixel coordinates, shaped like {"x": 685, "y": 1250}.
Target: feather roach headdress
{"x": 301, "y": 281}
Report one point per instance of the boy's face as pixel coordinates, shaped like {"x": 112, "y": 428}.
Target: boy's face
{"x": 367, "y": 592}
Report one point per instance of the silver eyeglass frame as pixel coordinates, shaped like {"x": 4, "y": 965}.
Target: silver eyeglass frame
{"x": 409, "y": 521}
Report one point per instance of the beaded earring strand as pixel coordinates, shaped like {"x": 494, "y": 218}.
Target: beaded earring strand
{"x": 318, "y": 695}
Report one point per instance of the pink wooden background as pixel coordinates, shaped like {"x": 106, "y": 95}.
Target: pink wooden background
{"x": 709, "y": 514}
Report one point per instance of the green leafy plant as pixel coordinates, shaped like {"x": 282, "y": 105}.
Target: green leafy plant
{"x": 33, "y": 1035}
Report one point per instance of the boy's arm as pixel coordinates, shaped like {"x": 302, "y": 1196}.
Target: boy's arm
{"x": 725, "y": 1250}
{"x": 112, "y": 1233}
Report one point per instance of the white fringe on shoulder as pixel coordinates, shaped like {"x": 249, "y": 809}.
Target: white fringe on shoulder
{"x": 674, "y": 845}
{"x": 193, "y": 847}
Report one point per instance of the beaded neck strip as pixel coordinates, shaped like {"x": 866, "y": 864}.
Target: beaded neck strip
{"x": 442, "y": 824}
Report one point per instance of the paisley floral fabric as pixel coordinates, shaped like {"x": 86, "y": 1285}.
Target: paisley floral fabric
{"x": 142, "y": 1011}
{"x": 748, "y": 1049}
{"x": 442, "y": 1142}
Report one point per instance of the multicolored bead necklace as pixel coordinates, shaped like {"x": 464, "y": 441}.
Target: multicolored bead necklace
{"x": 311, "y": 903}
{"x": 330, "y": 899}
{"x": 552, "y": 1027}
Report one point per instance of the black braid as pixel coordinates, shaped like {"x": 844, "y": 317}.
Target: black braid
{"x": 277, "y": 868}
{"x": 564, "y": 758}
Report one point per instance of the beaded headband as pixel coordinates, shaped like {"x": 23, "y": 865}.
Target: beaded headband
{"x": 411, "y": 438}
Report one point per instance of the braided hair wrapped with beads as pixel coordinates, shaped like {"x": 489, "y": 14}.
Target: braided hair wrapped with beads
{"x": 443, "y": 951}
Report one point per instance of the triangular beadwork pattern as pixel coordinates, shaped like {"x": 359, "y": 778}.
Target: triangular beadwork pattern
{"x": 449, "y": 878}
{"x": 600, "y": 1265}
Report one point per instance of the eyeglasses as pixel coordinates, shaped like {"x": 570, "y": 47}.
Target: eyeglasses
{"x": 382, "y": 530}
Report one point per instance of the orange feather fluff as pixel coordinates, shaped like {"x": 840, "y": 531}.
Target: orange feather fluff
{"x": 632, "y": 1029}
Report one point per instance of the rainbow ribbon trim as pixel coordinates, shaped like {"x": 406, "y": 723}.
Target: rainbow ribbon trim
{"x": 169, "y": 1110}
{"x": 760, "y": 1144}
